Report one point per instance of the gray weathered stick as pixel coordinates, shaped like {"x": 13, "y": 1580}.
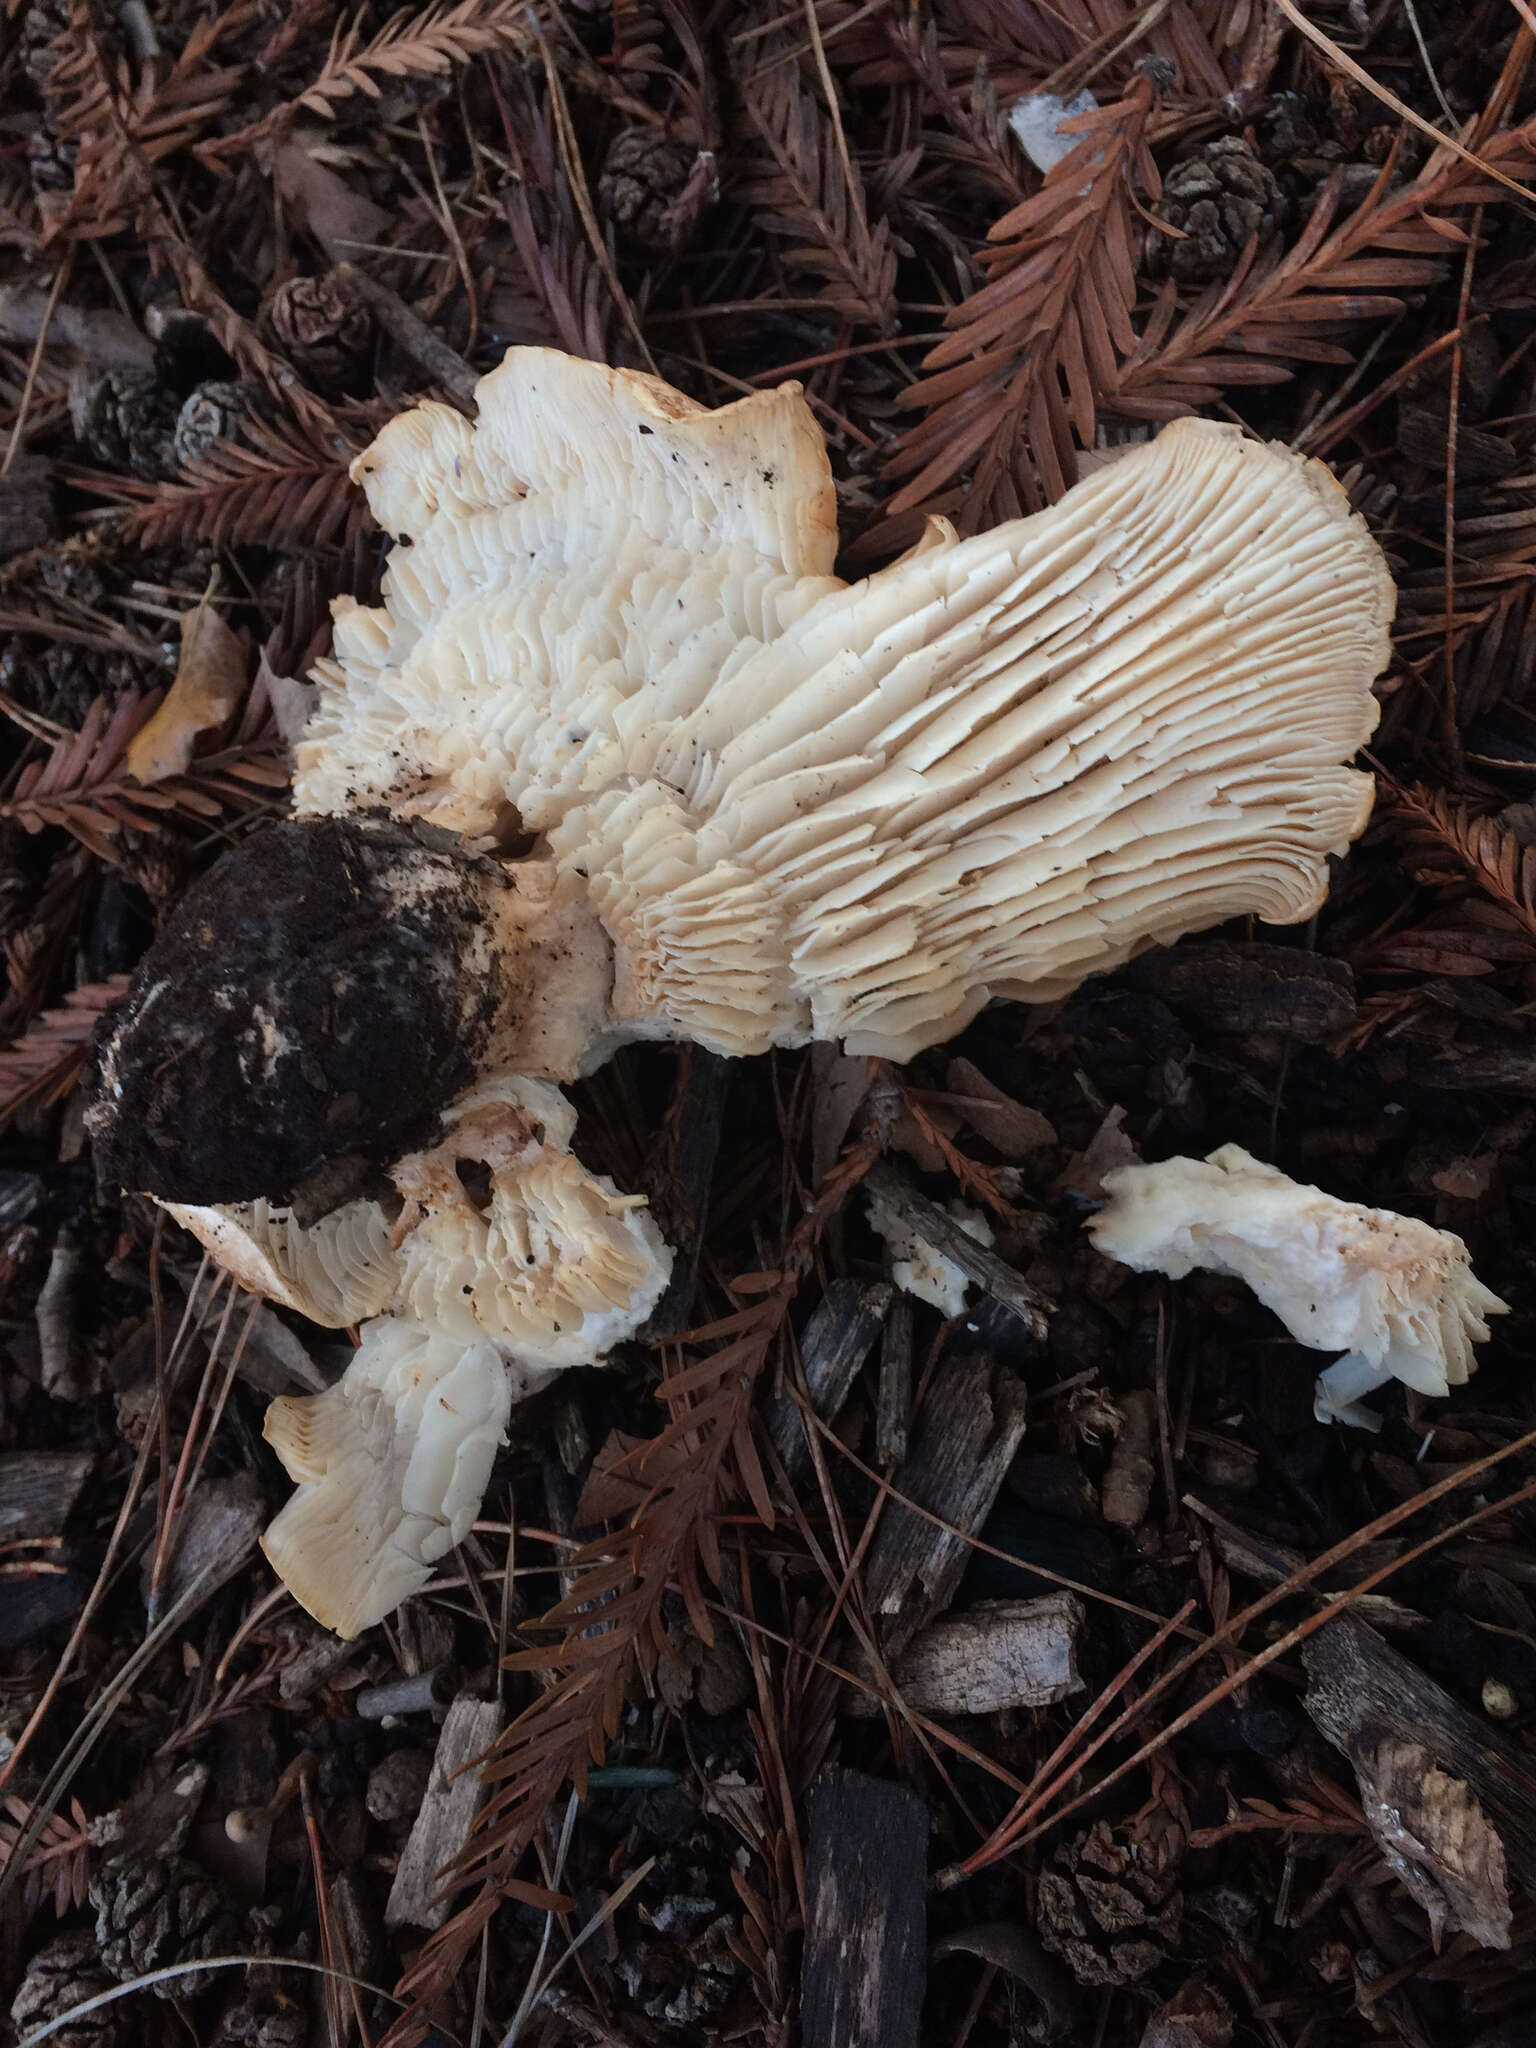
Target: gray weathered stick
{"x": 834, "y": 1344}
{"x": 865, "y": 1920}
{"x": 972, "y": 1424}
{"x": 427, "y": 350}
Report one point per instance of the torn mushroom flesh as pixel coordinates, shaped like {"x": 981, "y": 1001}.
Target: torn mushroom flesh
{"x": 480, "y": 1287}
{"x": 1395, "y": 1295}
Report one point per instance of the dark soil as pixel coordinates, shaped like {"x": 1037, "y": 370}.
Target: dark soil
{"x": 303, "y": 1003}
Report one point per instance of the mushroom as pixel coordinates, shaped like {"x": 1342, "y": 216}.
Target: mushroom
{"x": 391, "y": 1463}
{"x": 1397, "y": 1296}
{"x": 759, "y": 806}
{"x": 806, "y": 810}
{"x": 485, "y": 1284}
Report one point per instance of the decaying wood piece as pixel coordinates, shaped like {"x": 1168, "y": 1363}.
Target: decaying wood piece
{"x": 38, "y": 1491}
{"x": 833, "y": 1345}
{"x": 997, "y": 1654}
{"x": 447, "y": 1813}
{"x": 1128, "y": 1482}
{"x": 980, "y": 1265}
{"x": 64, "y": 1372}
{"x": 893, "y": 1399}
{"x": 865, "y": 1920}
{"x": 1452, "y": 1803}
{"x": 972, "y": 1424}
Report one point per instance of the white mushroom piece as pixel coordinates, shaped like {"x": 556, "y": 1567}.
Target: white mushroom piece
{"x": 1396, "y": 1296}
{"x": 484, "y": 1285}
{"x": 753, "y": 805}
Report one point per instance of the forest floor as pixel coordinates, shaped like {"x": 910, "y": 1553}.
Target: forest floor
{"x": 1284, "y": 1794}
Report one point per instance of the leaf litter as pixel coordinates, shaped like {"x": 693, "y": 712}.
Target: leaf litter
{"x": 232, "y": 243}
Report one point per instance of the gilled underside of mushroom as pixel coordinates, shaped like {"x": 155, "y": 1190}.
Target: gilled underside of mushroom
{"x": 764, "y": 807}
{"x": 805, "y": 810}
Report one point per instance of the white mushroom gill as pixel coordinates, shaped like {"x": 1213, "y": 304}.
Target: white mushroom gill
{"x": 807, "y": 810}
{"x": 339, "y": 1271}
{"x": 474, "y": 1300}
{"x": 1397, "y": 1296}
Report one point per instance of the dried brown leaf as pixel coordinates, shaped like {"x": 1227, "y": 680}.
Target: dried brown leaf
{"x": 1436, "y": 1836}
{"x": 210, "y": 681}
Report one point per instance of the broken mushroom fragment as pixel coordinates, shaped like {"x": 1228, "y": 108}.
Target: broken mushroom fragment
{"x": 339, "y": 1271}
{"x": 1397, "y": 1296}
{"x": 391, "y": 1463}
{"x": 506, "y": 1262}
{"x": 920, "y": 1268}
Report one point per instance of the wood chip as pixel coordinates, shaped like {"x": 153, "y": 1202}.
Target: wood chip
{"x": 441, "y": 1828}
{"x": 972, "y": 1424}
{"x": 1452, "y": 1802}
{"x": 865, "y": 1922}
{"x": 979, "y": 1265}
{"x": 38, "y": 1492}
{"x": 833, "y": 1345}
{"x": 893, "y": 1397}
{"x": 997, "y": 1654}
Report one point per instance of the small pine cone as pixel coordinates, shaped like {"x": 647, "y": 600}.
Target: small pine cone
{"x": 50, "y": 162}
{"x": 159, "y": 1910}
{"x": 654, "y": 189}
{"x": 263, "y": 2020}
{"x": 213, "y": 412}
{"x": 321, "y": 326}
{"x": 1216, "y": 200}
{"x": 125, "y": 421}
{"x": 65, "y": 1974}
{"x": 43, "y": 29}
{"x": 1109, "y": 1906}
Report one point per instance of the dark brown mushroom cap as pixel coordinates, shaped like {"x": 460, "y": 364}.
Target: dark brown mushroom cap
{"x": 314, "y": 998}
